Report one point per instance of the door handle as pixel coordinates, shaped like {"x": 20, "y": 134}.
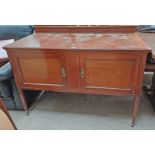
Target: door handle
{"x": 63, "y": 72}
{"x": 82, "y": 73}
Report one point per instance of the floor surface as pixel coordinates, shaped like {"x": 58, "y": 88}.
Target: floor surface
{"x": 78, "y": 111}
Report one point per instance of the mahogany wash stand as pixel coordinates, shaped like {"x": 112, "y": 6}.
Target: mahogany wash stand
{"x": 108, "y": 60}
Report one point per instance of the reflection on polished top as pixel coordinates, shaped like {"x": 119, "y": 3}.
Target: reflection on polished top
{"x": 83, "y": 41}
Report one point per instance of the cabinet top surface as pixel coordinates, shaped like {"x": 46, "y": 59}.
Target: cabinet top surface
{"x": 82, "y": 41}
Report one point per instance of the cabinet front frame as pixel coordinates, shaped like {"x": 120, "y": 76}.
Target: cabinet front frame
{"x": 126, "y": 55}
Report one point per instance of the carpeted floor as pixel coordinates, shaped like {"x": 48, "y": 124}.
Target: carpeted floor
{"x": 79, "y": 111}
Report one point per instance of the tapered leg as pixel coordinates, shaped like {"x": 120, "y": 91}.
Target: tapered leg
{"x": 135, "y": 110}
{"x": 138, "y": 89}
{"x": 23, "y": 99}
{"x": 20, "y": 90}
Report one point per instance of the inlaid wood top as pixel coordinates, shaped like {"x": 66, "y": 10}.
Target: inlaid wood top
{"x": 82, "y": 41}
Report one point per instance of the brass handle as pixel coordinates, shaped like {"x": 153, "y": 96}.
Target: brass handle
{"x": 63, "y": 72}
{"x": 82, "y": 73}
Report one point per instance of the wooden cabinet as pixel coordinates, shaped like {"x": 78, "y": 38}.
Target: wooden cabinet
{"x": 95, "y": 63}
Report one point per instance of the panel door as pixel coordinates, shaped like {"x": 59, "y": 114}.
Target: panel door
{"x": 41, "y": 71}
{"x": 109, "y": 73}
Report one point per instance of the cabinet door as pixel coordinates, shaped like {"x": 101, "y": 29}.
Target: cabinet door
{"x": 109, "y": 73}
{"x": 41, "y": 71}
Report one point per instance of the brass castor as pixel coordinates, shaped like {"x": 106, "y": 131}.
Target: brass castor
{"x": 132, "y": 123}
{"x": 27, "y": 113}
